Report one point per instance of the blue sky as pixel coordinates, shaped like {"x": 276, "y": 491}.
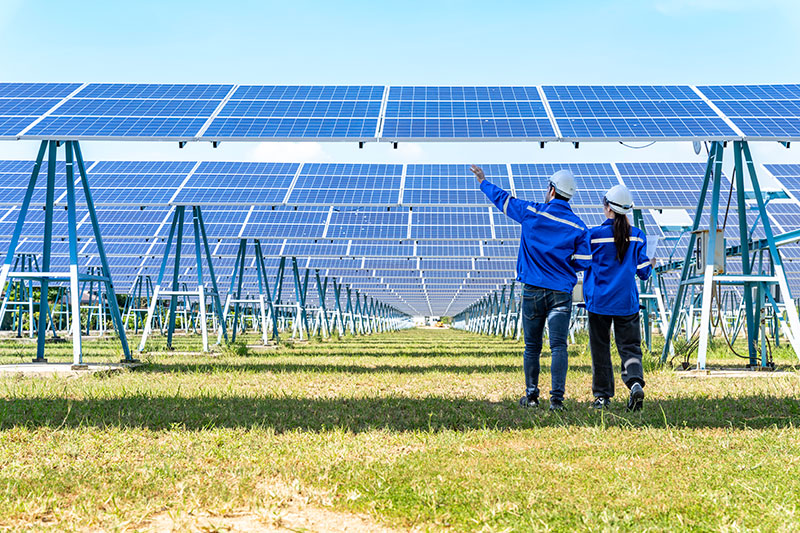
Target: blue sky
{"x": 409, "y": 42}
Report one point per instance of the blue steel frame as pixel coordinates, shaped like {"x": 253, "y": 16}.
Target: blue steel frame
{"x": 72, "y": 156}
{"x": 760, "y": 282}
{"x": 178, "y": 219}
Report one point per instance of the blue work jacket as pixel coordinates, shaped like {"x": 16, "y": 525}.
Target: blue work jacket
{"x": 609, "y": 287}
{"x": 554, "y": 243}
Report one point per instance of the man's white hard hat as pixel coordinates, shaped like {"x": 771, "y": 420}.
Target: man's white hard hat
{"x": 563, "y": 182}
{"x": 619, "y": 199}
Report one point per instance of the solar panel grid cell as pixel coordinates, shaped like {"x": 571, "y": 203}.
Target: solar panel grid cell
{"x": 760, "y": 111}
{"x": 631, "y": 112}
{"x": 465, "y": 112}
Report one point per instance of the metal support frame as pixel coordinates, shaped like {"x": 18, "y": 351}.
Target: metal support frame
{"x": 72, "y": 156}
{"x": 760, "y": 282}
{"x": 202, "y": 249}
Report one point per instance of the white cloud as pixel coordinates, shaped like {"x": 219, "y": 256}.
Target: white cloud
{"x": 305, "y": 152}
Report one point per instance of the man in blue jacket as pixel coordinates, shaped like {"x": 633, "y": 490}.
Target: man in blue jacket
{"x": 553, "y": 246}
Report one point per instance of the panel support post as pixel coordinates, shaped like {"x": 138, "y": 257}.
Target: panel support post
{"x": 714, "y": 154}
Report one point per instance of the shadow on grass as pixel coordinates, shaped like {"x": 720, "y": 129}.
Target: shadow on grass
{"x": 280, "y": 367}
{"x": 391, "y": 413}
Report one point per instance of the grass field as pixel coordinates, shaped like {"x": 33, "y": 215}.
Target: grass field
{"x": 411, "y": 430}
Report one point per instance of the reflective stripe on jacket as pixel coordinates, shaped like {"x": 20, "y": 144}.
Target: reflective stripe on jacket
{"x": 554, "y": 243}
{"x": 609, "y": 287}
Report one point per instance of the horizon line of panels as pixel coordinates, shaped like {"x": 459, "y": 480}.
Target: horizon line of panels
{"x": 229, "y": 112}
{"x": 266, "y": 185}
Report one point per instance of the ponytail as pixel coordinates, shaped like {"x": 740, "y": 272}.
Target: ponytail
{"x": 622, "y": 235}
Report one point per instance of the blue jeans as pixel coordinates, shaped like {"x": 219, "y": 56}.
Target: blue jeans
{"x": 540, "y": 305}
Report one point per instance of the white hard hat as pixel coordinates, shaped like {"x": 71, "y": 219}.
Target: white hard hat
{"x": 619, "y": 199}
{"x": 564, "y": 183}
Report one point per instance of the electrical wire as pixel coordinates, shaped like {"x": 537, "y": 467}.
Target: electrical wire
{"x": 637, "y": 147}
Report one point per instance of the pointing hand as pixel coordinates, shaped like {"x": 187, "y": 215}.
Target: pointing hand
{"x": 478, "y": 171}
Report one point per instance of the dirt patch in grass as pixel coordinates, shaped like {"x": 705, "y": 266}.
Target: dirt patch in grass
{"x": 293, "y": 510}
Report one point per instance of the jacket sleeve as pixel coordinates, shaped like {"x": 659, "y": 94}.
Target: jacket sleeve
{"x": 582, "y": 257}
{"x": 514, "y": 208}
{"x": 643, "y": 267}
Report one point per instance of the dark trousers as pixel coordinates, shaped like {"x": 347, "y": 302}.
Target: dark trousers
{"x": 553, "y": 307}
{"x": 628, "y": 338}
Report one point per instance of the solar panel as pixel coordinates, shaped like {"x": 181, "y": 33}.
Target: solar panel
{"x": 368, "y": 223}
{"x": 382, "y": 249}
{"x": 319, "y": 248}
{"x": 22, "y": 103}
{"x": 449, "y": 184}
{"x": 132, "y": 111}
{"x": 448, "y": 249}
{"x": 237, "y": 183}
{"x": 432, "y": 223}
{"x": 347, "y": 184}
{"x": 593, "y": 181}
{"x": 465, "y": 113}
{"x": 764, "y": 112}
{"x": 299, "y": 113}
{"x": 634, "y": 112}
{"x": 667, "y": 185}
{"x": 308, "y": 223}
{"x": 786, "y": 215}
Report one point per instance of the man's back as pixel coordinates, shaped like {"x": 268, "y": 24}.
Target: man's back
{"x": 554, "y": 243}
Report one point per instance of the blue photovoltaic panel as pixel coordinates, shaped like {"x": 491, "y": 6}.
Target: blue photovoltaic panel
{"x": 667, "y": 185}
{"x": 299, "y": 112}
{"x": 120, "y": 222}
{"x": 382, "y": 249}
{"x": 502, "y": 256}
{"x": 318, "y": 249}
{"x": 788, "y": 174}
{"x": 770, "y": 112}
{"x": 504, "y": 227}
{"x": 347, "y": 184}
{"x": 449, "y": 184}
{"x": 221, "y": 223}
{"x": 132, "y": 111}
{"x": 238, "y": 183}
{"x": 368, "y": 223}
{"x": 786, "y": 215}
{"x": 134, "y": 183}
{"x": 287, "y": 223}
{"x": 591, "y": 218}
{"x": 14, "y": 178}
{"x": 635, "y": 112}
{"x": 450, "y": 224}
{"x": 448, "y": 250}
{"x": 592, "y": 179}
{"x": 463, "y": 113}
{"x": 22, "y": 103}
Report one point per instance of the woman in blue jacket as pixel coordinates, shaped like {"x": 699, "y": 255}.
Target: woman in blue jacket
{"x": 612, "y": 297}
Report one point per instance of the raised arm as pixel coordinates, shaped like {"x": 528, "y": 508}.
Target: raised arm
{"x": 512, "y": 207}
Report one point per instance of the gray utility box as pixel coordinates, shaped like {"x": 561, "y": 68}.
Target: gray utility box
{"x": 701, "y": 251}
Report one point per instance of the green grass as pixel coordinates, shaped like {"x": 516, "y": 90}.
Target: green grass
{"x": 416, "y": 429}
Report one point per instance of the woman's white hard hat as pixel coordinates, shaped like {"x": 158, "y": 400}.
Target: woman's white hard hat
{"x": 619, "y": 199}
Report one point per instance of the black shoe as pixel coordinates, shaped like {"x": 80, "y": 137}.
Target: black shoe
{"x": 556, "y": 405}
{"x": 530, "y": 400}
{"x": 637, "y": 398}
{"x": 600, "y": 403}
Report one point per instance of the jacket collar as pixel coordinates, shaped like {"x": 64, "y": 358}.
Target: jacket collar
{"x": 563, "y": 203}
{"x": 608, "y": 222}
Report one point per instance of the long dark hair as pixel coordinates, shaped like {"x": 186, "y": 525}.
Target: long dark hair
{"x": 622, "y": 235}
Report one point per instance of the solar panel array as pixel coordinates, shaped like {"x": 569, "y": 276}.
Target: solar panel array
{"x": 228, "y": 112}
{"x": 419, "y": 237}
